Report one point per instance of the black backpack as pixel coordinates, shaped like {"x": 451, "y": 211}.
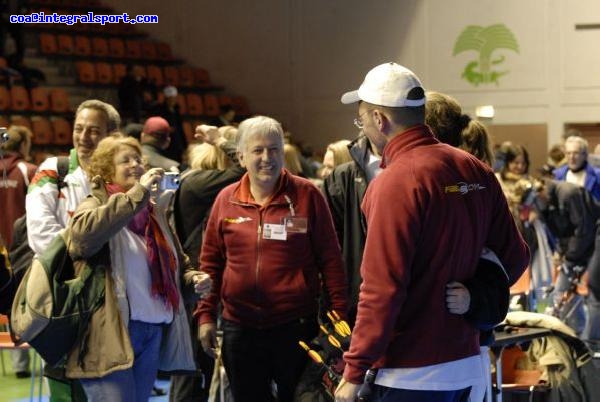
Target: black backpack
{"x": 20, "y": 254}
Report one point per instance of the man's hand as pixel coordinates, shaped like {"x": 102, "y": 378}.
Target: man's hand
{"x": 209, "y": 134}
{"x": 346, "y": 391}
{"x": 202, "y": 283}
{"x": 458, "y": 298}
{"x": 208, "y": 338}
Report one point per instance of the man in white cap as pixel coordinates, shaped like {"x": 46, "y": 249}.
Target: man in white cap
{"x": 169, "y": 110}
{"x": 447, "y": 206}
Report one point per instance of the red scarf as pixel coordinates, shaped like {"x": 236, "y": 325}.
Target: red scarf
{"x": 161, "y": 260}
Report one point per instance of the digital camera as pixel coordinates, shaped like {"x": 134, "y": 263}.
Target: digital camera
{"x": 170, "y": 181}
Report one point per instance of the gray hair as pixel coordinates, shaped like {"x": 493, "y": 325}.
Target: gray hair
{"x": 112, "y": 116}
{"x": 258, "y": 126}
{"x": 583, "y": 144}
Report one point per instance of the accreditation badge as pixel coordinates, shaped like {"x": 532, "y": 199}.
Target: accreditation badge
{"x": 274, "y": 231}
{"x": 295, "y": 224}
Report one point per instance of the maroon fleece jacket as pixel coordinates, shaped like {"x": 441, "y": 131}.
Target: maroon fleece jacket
{"x": 429, "y": 214}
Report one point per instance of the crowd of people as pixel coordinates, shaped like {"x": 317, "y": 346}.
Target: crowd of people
{"x": 231, "y": 252}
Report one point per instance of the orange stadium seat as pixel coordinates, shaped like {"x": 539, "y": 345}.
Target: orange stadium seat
{"x": 182, "y": 104}
{"x": 201, "y": 77}
{"x": 119, "y": 71}
{"x": 19, "y": 120}
{"x": 141, "y": 70}
{"x": 155, "y": 75}
{"x": 99, "y": 47}
{"x": 63, "y": 133}
{"x": 132, "y": 49}
{"x": 163, "y": 51}
{"x": 43, "y": 134}
{"x": 48, "y": 43}
{"x": 86, "y": 72}
{"x": 39, "y": 99}
{"x": 194, "y": 104}
{"x": 4, "y": 98}
{"x": 148, "y": 50}
{"x": 104, "y": 73}
{"x": 171, "y": 75}
{"x": 65, "y": 44}
{"x": 186, "y": 76}
{"x": 59, "y": 100}
{"x": 117, "y": 47}
{"x": 188, "y": 131}
{"x": 240, "y": 105}
{"x": 225, "y": 100}
{"x": 83, "y": 47}
{"x": 19, "y": 98}
{"x": 211, "y": 105}
{"x": 4, "y": 122}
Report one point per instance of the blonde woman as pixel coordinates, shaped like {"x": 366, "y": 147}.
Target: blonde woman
{"x": 336, "y": 154}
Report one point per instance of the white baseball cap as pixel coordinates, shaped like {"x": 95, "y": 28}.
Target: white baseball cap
{"x": 170, "y": 91}
{"x": 387, "y": 85}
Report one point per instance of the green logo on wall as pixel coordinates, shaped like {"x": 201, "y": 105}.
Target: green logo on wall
{"x": 485, "y": 41}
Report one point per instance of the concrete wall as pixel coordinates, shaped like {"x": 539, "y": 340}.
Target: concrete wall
{"x": 294, "y": 58}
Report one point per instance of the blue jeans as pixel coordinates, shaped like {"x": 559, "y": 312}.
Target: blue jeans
{"x": 385, "y": 394}
{"x": 135, "y": 383}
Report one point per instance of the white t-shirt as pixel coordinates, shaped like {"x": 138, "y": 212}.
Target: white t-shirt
{"x": 577, "y": 178}
{"x": 129, "y": 263}
{"x": 449, "y": 376}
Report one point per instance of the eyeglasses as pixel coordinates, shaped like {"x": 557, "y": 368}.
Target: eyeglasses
{"x": 358, "y": 121}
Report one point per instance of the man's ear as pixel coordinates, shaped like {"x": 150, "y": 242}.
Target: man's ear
{"x": 381, "y": 120}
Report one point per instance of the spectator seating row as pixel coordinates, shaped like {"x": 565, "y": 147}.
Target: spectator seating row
{"x": 94, "y": 73}
{"x": 208, "y": 105}
{"x": 101, "y": 47}
{"x": 55, "y": 130}
{"x": 39, "y": 99}
{"x": 56, "y": 100}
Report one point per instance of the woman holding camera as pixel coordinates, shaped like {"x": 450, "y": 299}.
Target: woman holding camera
{"x": 142, "y": 326}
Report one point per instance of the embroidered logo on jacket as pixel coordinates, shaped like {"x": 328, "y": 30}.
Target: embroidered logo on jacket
{"x": 239, "y": 219}
{"x": 463, "y": 188}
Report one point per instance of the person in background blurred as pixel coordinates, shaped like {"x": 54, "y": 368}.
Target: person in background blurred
{"x": 155, "y": 138}
{"x": 476, "y": 140}
{"x": 229, "y": 133}
{"x": 169, "y": 110}
{"x": 15, "y": 175}
{"x": 335, "y": 154}
{"x": 571, "y": 216}
{"x": 226, "y": 116}
{"x": 214, "y": 165}
{"x": 291, "y": 160}
{"x": 515, "y": 169}
{"x": 344, "y": 190}
{"x": 577, "y": 170}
